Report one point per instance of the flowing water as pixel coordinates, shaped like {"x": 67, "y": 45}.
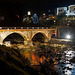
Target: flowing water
{"x": 64, "y": 65}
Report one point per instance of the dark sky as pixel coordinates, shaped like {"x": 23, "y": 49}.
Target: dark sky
{"x": 33, "y": 5}
{"x": 40, "y": 3}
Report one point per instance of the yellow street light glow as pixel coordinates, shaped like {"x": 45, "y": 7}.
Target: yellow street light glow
{"x": 54, "y": 21}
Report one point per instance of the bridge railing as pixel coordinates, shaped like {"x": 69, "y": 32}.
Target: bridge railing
{"x": 25, "y": 27}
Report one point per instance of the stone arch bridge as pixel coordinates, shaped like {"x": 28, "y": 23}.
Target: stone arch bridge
{"x": 27, "y": 33}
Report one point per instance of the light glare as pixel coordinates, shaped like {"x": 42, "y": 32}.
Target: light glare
{"x": 44, "y": 14}
{"x": 68, "y": 36}
{"x": 29, "y": 13}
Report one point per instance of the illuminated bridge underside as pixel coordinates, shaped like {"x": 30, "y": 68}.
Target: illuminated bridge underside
{"x": 27, "y": 34}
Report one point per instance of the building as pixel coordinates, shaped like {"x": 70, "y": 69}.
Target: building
{"x": 61, "y": 10}
{"x": 70, "y": 10}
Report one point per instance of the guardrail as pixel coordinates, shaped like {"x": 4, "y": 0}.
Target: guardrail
{"x": 25, "y": 27}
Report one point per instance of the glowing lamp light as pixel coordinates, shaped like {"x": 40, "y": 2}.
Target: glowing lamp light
{"x": 44, "y": 14}
{"x": 68, "y": 36}
{"x": 29, "y": 13}
{"x": 54, "y": 21}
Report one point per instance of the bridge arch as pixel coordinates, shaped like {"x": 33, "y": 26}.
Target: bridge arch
{"x": 6, "y": 34}
{"x": 44, "y": 34}
{"x": 39, "y": 37}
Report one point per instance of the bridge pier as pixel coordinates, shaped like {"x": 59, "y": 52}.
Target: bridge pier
{"x": 28, "y": 42}
{"x": 46, "y": 40}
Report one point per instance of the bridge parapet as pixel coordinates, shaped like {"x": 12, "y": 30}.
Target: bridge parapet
{"x": 25, "y": 28}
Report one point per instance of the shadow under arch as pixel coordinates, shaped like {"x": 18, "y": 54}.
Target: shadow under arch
{"x": 39, "y": 38}
{"x": 15, "y": 37}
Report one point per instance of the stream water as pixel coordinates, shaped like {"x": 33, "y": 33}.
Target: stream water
{"x": 64, "y": 65}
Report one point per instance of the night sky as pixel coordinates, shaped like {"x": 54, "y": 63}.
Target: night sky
{"x": 17, "y": 5}
{"x": 21, "y": 7}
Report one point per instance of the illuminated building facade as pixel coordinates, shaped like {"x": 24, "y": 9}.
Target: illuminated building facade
{"x": 70, "y": 10}
{"x": 61, "y": 10}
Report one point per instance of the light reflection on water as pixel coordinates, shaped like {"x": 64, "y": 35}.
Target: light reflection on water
{"x": 67, "y": 72}
{"x": 65, "y": 66}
